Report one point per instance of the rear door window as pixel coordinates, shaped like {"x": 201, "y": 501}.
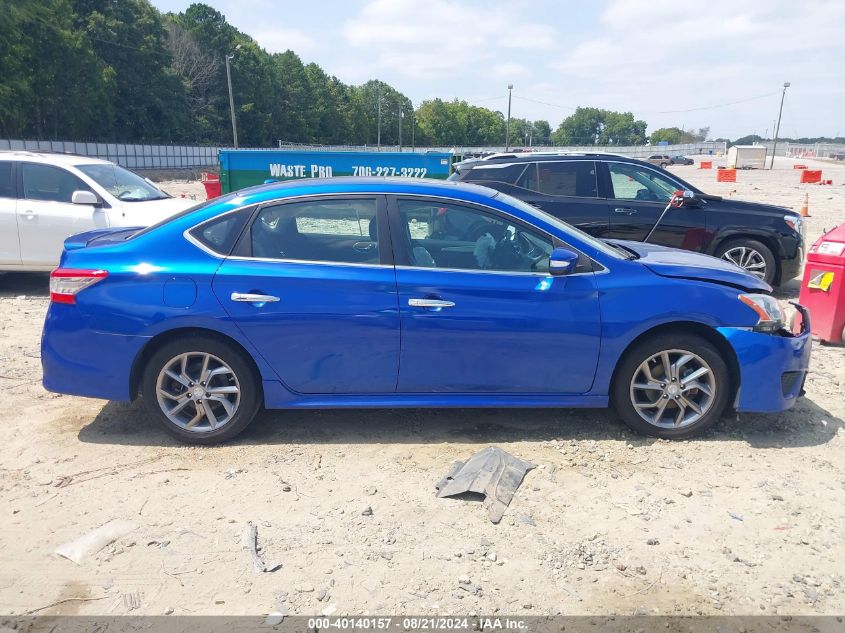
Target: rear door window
{"x": 567, "y": 178}
{"x": 344, "y": 231}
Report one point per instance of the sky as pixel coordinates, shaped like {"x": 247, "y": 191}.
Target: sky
{"x": 686, "y": 63}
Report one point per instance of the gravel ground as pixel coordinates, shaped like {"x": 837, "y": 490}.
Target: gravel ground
{"x": 745, "y": 520}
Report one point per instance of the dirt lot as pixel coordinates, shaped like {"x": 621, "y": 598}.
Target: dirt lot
{"x": 746, "y": 520}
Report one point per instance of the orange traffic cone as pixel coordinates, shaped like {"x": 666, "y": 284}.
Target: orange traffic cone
{"x": 805, "y": 213}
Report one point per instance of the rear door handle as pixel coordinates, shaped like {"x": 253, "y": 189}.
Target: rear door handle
{"x": 624, "y": 210}
{"x": 247, "y": 297}
{"x": 430, "y": 303}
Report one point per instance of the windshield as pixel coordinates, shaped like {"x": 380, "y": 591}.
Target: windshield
{"x": 599, "y": 245}
{"x": 122, "y": 183}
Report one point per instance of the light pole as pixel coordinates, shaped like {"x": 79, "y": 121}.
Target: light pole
{"x": 378, "y": 133}
{"x": 508, "y": 126}
{"x": 413, "y": 128}
{"x": 401, "y": 121}
{"x": 777, "y": 128}
{"x": 229, "y": 58}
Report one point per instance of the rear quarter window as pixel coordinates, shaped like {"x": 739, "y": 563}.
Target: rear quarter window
{"x": 507, "y": 174}
{"x": 220, "y": 234}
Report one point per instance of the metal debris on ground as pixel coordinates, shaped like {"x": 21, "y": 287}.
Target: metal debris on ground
{"x": 493, "y": 473}
{"x": 249, "y": 541}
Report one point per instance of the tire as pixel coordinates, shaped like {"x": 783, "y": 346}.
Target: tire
{"x": 230, "y": 377}
{"x": 664, "y": 165}
{"x": 732, "y": 251}
{"x": 676, "y": 419}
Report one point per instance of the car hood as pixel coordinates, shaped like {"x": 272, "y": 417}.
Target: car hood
{"x": 673, "y": 262}
{"x": 758, "y": 207}
{"x": 150, "y": 212}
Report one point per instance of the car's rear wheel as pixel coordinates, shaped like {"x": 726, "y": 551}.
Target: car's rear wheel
{"x": 664, "y": 165}
{"x": 201, "y": 390}
{"x": 754, "y": 257}
{"x": 671, "y": 386}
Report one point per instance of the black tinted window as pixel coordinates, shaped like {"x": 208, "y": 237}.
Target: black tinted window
{"x": 220, "y": 234}
{"x": 318, "y": 230}
{"x": 497, "y": 173}
{"x": 6, "y": 189}
{"x": 567, "y": 178}
{"x": 54, "y": 184}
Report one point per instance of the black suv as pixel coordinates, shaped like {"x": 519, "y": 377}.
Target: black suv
{"x": 622, "y": 198}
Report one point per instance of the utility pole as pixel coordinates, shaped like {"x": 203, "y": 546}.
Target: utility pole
{"x": 378, "y": 134}
{"x": 413, "y": 128}
{"x": 508, "y": 125}
{"x": 777, "y": 129}
{"x": 401, "y": 121}
{"x": 229, "y": 58}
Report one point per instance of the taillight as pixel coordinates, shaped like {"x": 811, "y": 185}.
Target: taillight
{"x": 66, "y": 283}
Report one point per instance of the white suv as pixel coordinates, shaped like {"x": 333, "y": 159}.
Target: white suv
{"x": 45, "y": 198}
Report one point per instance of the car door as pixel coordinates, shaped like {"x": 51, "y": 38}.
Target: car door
{"x": 637, "y": 196}
{"x": 46, "y": 215}
{"x": 480, "y": 314}
{"x": 10, "y": 249}
{"x": 312, "y": 285}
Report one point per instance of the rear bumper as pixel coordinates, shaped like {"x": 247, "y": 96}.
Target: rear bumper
{"x": 79, "y": 361}
{"x": 772, "y": 368}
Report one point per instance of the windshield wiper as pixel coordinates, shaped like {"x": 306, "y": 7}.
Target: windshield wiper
{"x": 625, "y": 252}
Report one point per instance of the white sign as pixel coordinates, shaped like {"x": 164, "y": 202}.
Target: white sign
{"x": 831, "y": 248}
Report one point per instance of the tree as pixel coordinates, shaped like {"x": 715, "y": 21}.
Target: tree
{"x": 593, "y": 126}
{"x": 196, "y": 67}
{"x": 675, "y": 135}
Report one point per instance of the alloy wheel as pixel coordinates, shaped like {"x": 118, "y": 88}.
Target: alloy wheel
{"x": 198, "y": 392}
{"x": 750, "y": 260}
{"x": 673, "y": 389}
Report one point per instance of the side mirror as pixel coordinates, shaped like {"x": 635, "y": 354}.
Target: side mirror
{"x": 562, "y": 261}
{"x": 85, "y": 197}
{"x": 684, "y": 198}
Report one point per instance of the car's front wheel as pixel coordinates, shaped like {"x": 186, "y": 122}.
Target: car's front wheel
{"x": 751, "y": 255}
{"x": 201, "y": 390}
{"x": 671, "y": 386}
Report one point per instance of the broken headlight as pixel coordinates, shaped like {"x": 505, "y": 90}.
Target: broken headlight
{"x": 768, "y": 309}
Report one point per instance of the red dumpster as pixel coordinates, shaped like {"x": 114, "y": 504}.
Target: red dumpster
{"x": 823, "y": 286}
{"x": 212, "y": 185}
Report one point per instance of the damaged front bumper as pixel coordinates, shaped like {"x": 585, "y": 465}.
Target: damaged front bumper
{"x": 772, "y": 367}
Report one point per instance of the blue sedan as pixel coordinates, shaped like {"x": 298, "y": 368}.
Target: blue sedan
{"x": 397, "y": 293}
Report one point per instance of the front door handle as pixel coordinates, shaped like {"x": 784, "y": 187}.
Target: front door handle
{"x": 247, "y": 297}
{"x": 430, "y": 303}
{"x": 625, "y": 210}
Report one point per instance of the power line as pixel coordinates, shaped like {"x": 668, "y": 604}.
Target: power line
{"x": 553, "y": 105}
{"x": 711, "y": 107}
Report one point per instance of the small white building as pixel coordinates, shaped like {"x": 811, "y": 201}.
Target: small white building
{"x": 747, "y": 157}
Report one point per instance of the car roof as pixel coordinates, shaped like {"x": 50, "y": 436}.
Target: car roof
{"x": 368, "y": 184}
{"x": 538, "y": 157}
{"x": 51, "y": 158}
